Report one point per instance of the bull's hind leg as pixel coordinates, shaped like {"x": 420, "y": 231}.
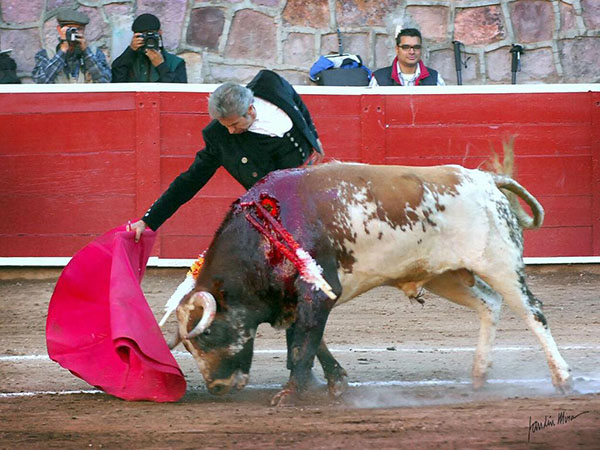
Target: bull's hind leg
{"x": 518, "y": 297}
{"x": 465, "y": 289}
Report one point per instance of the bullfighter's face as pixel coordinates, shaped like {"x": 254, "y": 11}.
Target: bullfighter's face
{"x": 239, "y": 124}
{"x": 223, "y": 352}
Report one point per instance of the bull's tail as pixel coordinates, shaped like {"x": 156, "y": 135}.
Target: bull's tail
{"x": 525, "y": 220}
{"x": 504, "y": 173}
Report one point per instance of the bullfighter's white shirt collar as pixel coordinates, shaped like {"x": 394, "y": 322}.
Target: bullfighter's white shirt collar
{"x": 270, "y": 119}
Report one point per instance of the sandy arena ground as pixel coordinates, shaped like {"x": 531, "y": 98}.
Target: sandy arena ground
{"x": 408, "y": 365}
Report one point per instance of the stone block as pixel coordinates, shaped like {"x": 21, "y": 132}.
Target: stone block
{"x": 432, "y": 21}
{"x": 299, "y": 50}
{"x": 120, "y": 13}
{"x": 193, "y": 66}
{"x": 567, "y": 17}
{"x": 252, "y": 35}
{"x": 24, "y": 55}
{"x": 537, "y": 66}
{"x": 355, "y": 43}
{"x": 480, "y": 25}
{"x": 296, "y": 78}
{"x": 50, "y": 34}
{"x": 364, "y": 12}
{"x": 498, "y": 65}
{"x": 329, "y": 44}
{"x": 443, "y": 62}
{"x": 385, "y": 52}
{"x": 20, "y": 12}
{"x": 171, "y": 15}
{"x": 52, "y": 5}
{"x": 302, "y": 13}
{"x": 532, "y": 20}
{"x": 120, "y": 17}
{"x": 220, "y": 73}
{"x": 591, "y": 13}
{"x": 579, "y": 59}
{"x": 271, "y": 3}
{"x": 206, "y": 27}
{"x": 97, "y": 28}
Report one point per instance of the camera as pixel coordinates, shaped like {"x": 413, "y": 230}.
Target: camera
{"x": 151, "y": 40}
{"x": 71, "y": 34}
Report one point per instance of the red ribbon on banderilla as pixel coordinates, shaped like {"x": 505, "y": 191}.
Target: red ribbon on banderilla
{"x": 272, "y": 229}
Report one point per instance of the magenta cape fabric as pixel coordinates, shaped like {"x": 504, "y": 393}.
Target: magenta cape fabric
{"x": 101, "y": 328}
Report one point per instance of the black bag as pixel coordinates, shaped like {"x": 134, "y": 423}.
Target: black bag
{"x": 356, "y": 76}
{"x": 8, "y": 69}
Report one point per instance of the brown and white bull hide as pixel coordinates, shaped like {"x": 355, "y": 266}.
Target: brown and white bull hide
{"x": 447, "y": 229}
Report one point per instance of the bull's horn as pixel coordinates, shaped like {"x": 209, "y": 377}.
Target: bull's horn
{"x": 207, "y": 301}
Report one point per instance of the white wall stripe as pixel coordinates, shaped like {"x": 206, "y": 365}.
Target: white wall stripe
{"x": 307, "y": 89}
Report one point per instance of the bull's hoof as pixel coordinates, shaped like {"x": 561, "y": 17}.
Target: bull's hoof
{"x": 564, "y": 386}
{"x": 285, "y": 397}
{"x": 337, "y": 384}
{"x": 479, "y": 382}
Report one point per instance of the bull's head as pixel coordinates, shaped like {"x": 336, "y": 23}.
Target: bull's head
{"x": 221, "y": 343}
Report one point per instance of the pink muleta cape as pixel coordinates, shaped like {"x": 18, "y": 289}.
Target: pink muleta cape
{"x": 101, "y": 328}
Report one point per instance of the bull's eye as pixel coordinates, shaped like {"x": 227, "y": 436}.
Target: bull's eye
{"x": 206, "y": 332}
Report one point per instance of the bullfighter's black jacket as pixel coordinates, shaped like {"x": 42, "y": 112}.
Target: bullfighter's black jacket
{"x": 247, "y": 156}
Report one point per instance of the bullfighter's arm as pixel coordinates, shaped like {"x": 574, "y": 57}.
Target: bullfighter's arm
{"x": 184, "y": 187}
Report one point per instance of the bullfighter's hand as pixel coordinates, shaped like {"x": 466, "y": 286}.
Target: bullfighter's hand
{"x": 155, "y": 57}
{"x": 139, "y": 228}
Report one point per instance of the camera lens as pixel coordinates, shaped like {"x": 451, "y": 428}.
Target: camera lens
{"x": 71, "y": 34}
{"x": 151, "y": 40}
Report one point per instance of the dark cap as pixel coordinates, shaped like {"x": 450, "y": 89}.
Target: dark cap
{"x": 145, "y": 22}
{"x": 66, "y": 15}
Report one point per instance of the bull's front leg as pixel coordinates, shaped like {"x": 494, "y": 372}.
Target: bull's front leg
{"x": 304, "y": 339}
{"x": 337, "y": 378}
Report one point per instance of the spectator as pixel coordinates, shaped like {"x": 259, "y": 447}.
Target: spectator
{"x": 256, "y": 129}
{"x": 407, "y": 69}
{"x": 73, "y": 61}
{"x": 8, "y": 69}
{"x": 145, "y": 59}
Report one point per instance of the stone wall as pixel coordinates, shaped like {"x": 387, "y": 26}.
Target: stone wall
{"x": 232, "y": 40}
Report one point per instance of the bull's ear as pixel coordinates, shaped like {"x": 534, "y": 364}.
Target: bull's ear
{"x": 218, "y": 287}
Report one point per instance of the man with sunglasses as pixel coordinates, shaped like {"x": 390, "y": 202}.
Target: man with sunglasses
{"x": 407, "y": 69}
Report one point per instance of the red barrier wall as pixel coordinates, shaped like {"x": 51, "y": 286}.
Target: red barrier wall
{"x": 73, "y": 165}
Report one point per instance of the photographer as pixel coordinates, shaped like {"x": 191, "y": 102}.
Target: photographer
{"x": 72, "y": 61}
{"x": 145, "y": 59}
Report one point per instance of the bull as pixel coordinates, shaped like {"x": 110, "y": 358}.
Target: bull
{"x": 453, "y": 231}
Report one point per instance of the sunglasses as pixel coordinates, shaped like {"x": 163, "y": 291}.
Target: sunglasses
{"x": 406, "y": 47}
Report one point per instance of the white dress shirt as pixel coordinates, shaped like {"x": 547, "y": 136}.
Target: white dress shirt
{"x": 270, "y": 119}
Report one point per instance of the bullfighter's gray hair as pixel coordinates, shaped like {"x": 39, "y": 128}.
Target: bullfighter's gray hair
{"x": 230, "y": 99}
